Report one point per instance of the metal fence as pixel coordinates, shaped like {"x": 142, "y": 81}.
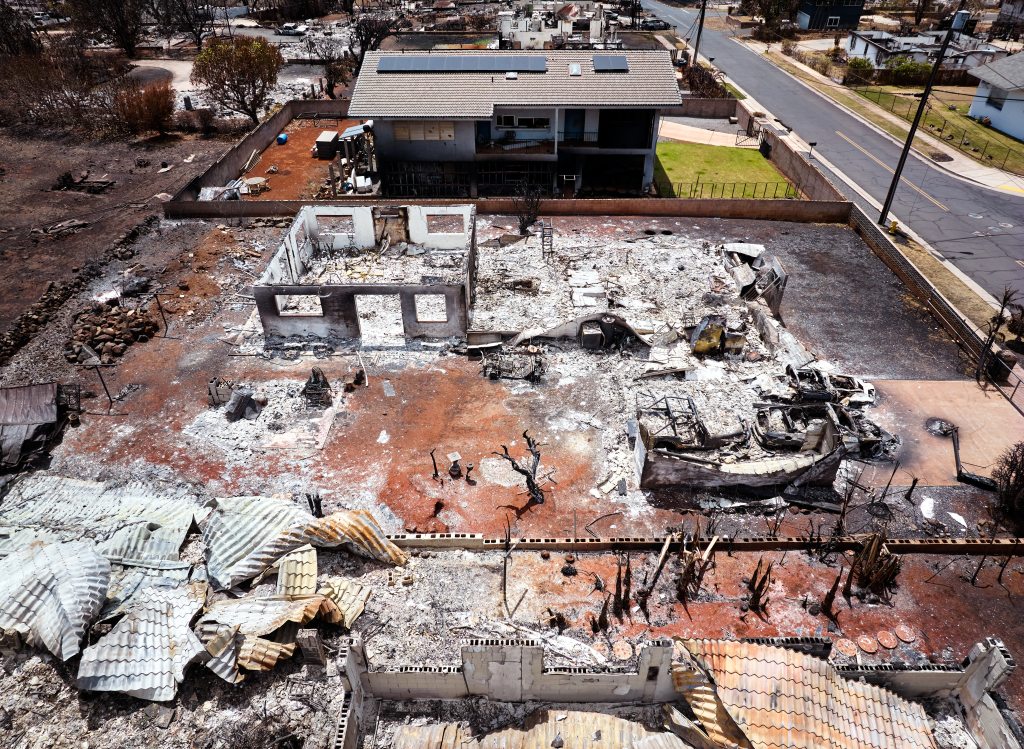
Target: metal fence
{"x": 755, "y": 190}
{"x": 987, "y": 151}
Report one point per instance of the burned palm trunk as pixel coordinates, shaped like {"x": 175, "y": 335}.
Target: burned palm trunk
{"x": 877, "y": 568}
{"x": 828, "y": 603}
{"x": 758, "y": 585}
{"x": 529, "y": 472}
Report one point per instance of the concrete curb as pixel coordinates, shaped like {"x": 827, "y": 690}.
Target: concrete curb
{"x": 888, "y": 136}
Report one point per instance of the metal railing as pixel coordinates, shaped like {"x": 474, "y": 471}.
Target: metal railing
{"x": 577, "y": 137}
{"x": 525, "y": 145}
{"x": 983, "y": 150}
{"x": 753, "y": 190}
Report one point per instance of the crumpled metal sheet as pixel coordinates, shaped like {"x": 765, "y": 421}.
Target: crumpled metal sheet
{"x": 261, "y": 616}
{"x": 50, "y": 594}
{"x": 222, "y": 646}
{"x": 27, "y": 413}
{"x": 127, "y": 582}
{"x": 133, "y": 523}
{"x": 251, "y": 619}
{"x": 349, "y": 596}
{"x": 258, "y": 654}
{"x": 296, "y": 573}
{"x": 247, "y": 535}
{"x": 146, "y": 653}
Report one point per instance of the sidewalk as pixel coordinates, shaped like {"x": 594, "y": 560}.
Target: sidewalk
{"x": 960, "y": 164}
{"x": 688, "y": 134}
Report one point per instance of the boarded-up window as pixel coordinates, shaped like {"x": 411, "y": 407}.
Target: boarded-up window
{"x": 413, "y": 130}
{"x": 431, "y": 308}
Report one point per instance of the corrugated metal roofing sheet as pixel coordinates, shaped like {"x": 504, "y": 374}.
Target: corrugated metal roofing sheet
{"x": 133, "y": 523}
{"x": 296, "y": 573}
{"x": 28, "y": 404}
{"x": 261, "y": 616}
{"x": 783, "y": 699}
{"x": 247, "y": 535}
{"x": 650, "y": 82}
{"x": 349, "y": 596}
{"x": 50, "y": 594}
{"x": 579, "y": 730}
{"x": 146, "y": 653}
{"x": 27, "y": 412}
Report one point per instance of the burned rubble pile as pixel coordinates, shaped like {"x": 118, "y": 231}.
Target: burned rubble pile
{"x": 683, "y": 336}
{"x": 76, "y": 556}
{"x": 104, "y": 332}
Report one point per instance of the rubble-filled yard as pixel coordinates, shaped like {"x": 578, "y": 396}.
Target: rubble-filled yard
{"x": 619, "y": 322}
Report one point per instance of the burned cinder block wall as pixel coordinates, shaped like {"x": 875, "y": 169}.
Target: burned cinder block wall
{"x": 289, "y": 308}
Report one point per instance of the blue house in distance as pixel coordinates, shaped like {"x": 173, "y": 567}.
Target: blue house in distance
{"x": 829, "y": 14}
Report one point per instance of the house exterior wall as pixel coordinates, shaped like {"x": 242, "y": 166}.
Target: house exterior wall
{"x": 1009, "y": 119}
{"x": 858, "y": 46}
{"x": 461, "y": 148}
{"x": 816, "y": 15}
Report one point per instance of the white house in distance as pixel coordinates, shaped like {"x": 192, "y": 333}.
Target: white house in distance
{"x": 1000, "y": 95}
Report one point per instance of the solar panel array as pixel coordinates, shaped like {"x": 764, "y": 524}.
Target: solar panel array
{"x": 462, "y": 64}
{"x": 611, "y": 64}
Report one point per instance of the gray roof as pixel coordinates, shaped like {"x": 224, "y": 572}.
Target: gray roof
{"x": 650, "y": 82}
{"x": 134, "y": 523}
{"x": 1007, "y": 73}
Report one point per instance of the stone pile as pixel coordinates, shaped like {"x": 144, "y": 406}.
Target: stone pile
{"x": 107, "y": 330}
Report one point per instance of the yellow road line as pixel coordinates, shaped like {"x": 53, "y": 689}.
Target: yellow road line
{"x": 882, "y": 164}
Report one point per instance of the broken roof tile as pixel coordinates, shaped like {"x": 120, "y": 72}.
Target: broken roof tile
{"x": 773, "y": 695}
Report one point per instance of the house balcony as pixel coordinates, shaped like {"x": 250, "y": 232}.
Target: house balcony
{"x": 578, "y": 138}
{"x": 507, "y": 146}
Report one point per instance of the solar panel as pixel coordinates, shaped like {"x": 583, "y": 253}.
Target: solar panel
{"x": 462, "y": 64}
{"x": 611, "y": 64}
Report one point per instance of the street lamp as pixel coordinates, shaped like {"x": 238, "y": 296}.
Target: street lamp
{"x": 810, "y": 154}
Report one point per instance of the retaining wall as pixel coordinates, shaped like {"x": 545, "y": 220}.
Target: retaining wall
{"x": 228, "y": 166}
{"x": 799, "y": 170}
{"x": 695, "y": 107}
{"x": 805, "y": 211}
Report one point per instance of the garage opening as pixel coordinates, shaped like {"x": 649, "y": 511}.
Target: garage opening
{"x": 380, "y": 320}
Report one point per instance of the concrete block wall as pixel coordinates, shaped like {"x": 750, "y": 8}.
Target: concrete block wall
{"x": 513, "y": 671}
{"x": 340, "y": 317}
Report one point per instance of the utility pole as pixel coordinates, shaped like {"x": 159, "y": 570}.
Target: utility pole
{"x": 700, "y": 30}
{"x": 958, "y": 22}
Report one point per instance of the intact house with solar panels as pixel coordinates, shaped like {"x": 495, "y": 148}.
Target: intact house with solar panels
{"x": 476, "y": 124}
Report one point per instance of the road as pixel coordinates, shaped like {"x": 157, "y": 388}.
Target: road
{"x": 979, "y": 230}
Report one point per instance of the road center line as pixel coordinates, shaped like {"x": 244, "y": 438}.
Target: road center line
{"x": 891, "y": 171}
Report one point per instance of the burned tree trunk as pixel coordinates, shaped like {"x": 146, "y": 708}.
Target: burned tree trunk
{"x": 529, "y": 472}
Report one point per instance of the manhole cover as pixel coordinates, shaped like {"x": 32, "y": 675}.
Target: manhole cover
{"x": 846, "y": 647}
{"x": 939, "y": 427}
{"x": 622, "y": 650}
{"x": 867, "y": 644}
{"x": 887, "y": 640}
{"x": 905, "y": 633}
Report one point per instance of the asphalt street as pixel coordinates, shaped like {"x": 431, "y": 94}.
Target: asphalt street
{"x": 978, "y": 229}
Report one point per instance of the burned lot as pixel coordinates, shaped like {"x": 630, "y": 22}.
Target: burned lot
{"x": 613, "y": 466}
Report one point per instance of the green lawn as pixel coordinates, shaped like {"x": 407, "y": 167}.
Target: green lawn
{"x": 688, "y": 163}
{"x": 947, "y": 120}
